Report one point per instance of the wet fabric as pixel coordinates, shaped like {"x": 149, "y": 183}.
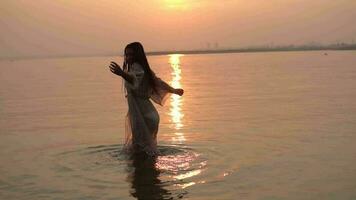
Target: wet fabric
{"x": 142, "y": 119}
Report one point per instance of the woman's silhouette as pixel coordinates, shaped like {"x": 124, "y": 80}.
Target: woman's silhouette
{"x": 141, "y": 84}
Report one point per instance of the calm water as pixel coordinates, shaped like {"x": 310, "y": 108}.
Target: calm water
{"x": 249, "y": 126}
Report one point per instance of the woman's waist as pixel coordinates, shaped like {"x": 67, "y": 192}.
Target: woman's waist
{"x": 142, "y": 95}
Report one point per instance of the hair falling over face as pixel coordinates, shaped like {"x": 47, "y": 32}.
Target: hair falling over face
{"x": 134, "y": 52}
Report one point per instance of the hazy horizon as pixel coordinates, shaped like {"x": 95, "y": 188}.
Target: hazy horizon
{"x": 88, "y": 27}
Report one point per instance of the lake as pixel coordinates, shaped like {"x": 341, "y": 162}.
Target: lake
{"x": 261, "y": 126}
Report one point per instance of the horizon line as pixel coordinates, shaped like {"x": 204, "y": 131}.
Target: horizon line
{"x": 256, "y": 49}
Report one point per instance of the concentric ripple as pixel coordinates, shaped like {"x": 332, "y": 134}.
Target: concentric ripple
{"x": 164, "y": 177}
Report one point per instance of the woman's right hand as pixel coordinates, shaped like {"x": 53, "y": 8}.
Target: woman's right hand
{"x": 179, "y": 91}
{"x": 116, "y": 69}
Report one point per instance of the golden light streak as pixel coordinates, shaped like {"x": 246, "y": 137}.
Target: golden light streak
{"x": 186, "y": 185}
{"x": 188, "y": 174}
{"x": 176, "y": 101}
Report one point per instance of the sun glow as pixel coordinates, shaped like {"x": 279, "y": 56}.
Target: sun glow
{"x": 176, "y": 4}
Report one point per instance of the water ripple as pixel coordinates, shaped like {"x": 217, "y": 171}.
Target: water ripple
{"x": 104, "y": 166}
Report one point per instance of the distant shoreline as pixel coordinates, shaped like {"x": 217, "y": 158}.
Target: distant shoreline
{"x": 340, "y": 47}
{"x": 259, "y": 49}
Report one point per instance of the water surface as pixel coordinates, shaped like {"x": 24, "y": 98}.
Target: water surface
{"x": 278, "y": 125}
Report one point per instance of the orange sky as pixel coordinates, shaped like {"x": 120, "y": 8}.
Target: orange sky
{"x": 57, "y": 27}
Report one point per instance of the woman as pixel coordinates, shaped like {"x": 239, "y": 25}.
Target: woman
{"x": 141, "y": 84}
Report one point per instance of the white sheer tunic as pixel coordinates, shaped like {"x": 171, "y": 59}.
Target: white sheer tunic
{"x": 142, "y": 119}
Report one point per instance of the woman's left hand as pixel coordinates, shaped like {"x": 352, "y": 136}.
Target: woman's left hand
{"x": 116, "y": 69}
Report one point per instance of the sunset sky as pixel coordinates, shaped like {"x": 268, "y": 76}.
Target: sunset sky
{"x": 63, "y": 27}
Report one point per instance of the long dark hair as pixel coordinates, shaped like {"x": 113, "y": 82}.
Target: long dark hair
{"x": 139, "y": 56}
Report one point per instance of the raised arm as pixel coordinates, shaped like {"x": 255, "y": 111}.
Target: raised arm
{"x": 164, "y": 86}
{"x": 162, "y": 91}
{"x": 116, "y": 69}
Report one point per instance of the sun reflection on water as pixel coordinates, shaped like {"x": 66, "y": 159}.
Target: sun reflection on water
{"x": 176, "y": 101}
{"x": 182, "y": 166}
